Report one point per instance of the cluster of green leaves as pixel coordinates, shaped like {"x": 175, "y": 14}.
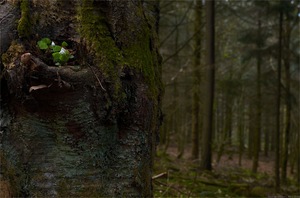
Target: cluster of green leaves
{"x": 60, "y": 54}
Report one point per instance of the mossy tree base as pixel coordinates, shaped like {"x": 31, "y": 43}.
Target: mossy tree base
{"x": 68, "y": 136}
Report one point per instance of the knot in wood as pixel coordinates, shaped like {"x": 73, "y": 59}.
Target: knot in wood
{"x": 25, "y": 58}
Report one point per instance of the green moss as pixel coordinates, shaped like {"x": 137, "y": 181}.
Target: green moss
{"x": 135, "y": 55}
{"x": 14, "y": 51}
{"x": 24, "y": 25}
{"x": 259, "y": 191}
{"x": 98, "y": 39}
{"x": 139, "y": 57}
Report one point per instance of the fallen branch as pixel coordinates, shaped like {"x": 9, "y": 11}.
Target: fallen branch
{"x": 160, "y": 175}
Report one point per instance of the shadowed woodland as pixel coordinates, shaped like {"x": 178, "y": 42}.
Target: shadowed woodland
{"x": 150, "y": 98}
{"x": 251, "y": 76}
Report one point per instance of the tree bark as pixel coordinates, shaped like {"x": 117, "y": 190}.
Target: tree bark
{"x": 196, "y": 84}
{"x": 278, "y": 124}
{"x": 8, "y": 15}
{"x": 91, "y": 130}
{"x": 206, "y": 158}
{"x": 256, "y": 146}
{"x": 288, "y": 104}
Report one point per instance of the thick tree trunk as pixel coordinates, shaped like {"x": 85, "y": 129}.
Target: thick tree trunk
{"x": 92, "y": 130}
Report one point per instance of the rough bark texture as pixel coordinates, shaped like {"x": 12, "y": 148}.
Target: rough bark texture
{"x": 8, "y": 16}
{"x": 73, "y": 137}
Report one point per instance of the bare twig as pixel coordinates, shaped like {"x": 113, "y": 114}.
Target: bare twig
{"x": 97, "y": 77}
{"x": 160, "y": 175}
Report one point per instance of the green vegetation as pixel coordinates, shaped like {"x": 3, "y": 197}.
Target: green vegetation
{"x": 184, "y": 179}
{"x": 60, "y": 55}
{"x": 136, "y": 55}
{"x": 98, "y": 40}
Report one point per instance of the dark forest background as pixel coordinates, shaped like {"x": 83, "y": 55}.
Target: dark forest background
{"x": 231, "y": 104}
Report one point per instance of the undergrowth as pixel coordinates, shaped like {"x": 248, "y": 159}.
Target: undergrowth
{"x": 182, "y": 178}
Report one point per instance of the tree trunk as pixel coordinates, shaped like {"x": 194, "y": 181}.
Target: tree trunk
{"x": 228, "y": 119}
{"x": 256, "y": 146}
{"x": 251, "y": 130}
{"x": 241, "y": 132}
{"x": 277, "y": 132}
{"x": 288, "y": 104}
{"x": 196, "y": 83}
{"x": 8, "y": 15}
{"x": 90, "y": 128}
{"x": 206, "y": 158}
{"x": 267, "y": 135}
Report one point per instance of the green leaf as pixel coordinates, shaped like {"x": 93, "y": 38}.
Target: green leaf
{"x": 56, "y": 57}
{"x": 64, "y": 57}
{"x": 42, "y": 45}
{"x": 64, "y": 44}
{"x": 46, "y": 40}
{"x": 56, "y": 48}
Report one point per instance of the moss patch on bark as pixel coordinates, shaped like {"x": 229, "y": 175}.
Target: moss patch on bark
{"x": 136, "y": 54}
{"x": 24, "y": 25}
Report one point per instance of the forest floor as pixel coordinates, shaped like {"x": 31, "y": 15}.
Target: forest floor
{"x": 180, "y": 177}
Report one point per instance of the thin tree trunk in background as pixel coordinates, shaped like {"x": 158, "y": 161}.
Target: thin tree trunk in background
{"x": 294, "y": 147}
{"x": 256, "y": 142}
{"x": 251, "y": 130}
{"x": 220, "y": 137}
{"x": 176, "y": 124}
{"x": 267, "y": 135}
{"x": 228, "y": 117}
{"x": 277, "y": 132}
{"x": 206, "y": 158}
{"x": 285, "y": 152}
{"x": 298, "y": 159}
{"x": 218, "y": 118}
{"x": 241, "y": 133}
{"x": 196, "y": 83}
{"x": 273, "y": 138}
